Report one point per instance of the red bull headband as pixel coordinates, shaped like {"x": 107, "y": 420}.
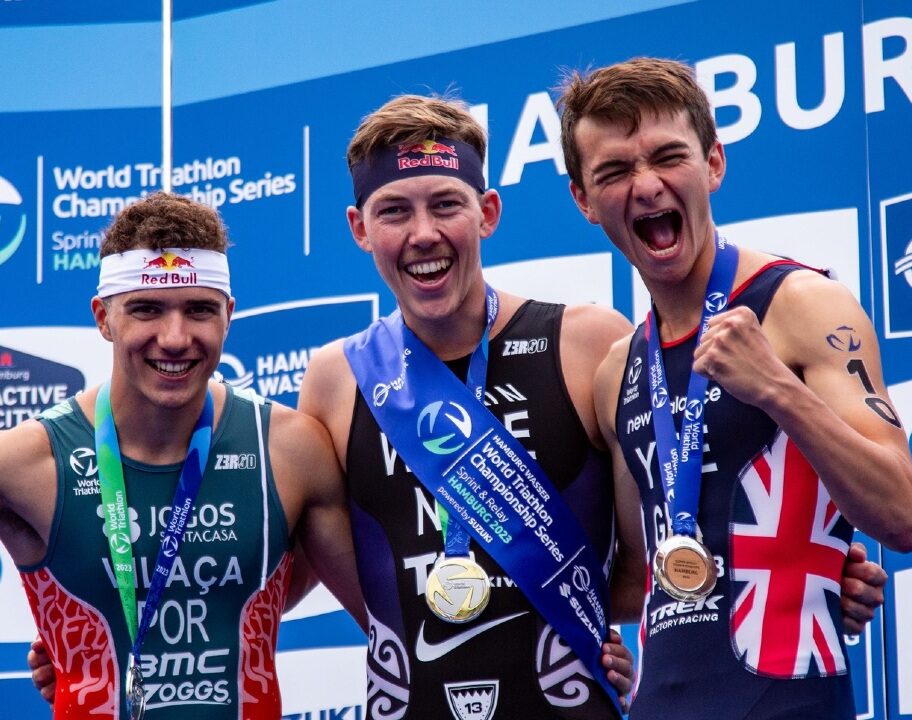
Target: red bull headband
{"x": 426, "y": 157}
{"x": 145, "y": 269}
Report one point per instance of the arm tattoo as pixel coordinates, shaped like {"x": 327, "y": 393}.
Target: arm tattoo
{"x": 876, "y": 403}
{"x": 843, "y": 339}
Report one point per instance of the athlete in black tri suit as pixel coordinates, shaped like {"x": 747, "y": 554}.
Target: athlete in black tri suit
{"x": 800, "y": 441}
{"x": 424, "y": 233}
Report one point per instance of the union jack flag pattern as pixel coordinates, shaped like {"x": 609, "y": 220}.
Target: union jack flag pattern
{"x": 788, "y": 544}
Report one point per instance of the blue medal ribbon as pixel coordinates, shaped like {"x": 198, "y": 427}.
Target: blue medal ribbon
{"x": 114, "y": 498}
{"x": 681, "y": 461}
{"x": 486, "y": 480}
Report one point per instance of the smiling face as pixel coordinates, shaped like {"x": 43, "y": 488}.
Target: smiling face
{"x": 425, "y": 236}
{"x": 649, "y": 191}
{"x": 167, "y": 343}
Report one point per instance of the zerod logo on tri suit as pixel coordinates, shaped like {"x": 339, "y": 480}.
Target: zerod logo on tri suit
{"x": 525, "y": 347}
{"x": 896, "y": 251}
{"x": 446, "y": 433}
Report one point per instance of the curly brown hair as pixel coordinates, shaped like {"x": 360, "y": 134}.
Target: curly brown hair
{"x": 162, "y": 220}
{"x": 623, "y": 92}
{"x": 412, "y": 118}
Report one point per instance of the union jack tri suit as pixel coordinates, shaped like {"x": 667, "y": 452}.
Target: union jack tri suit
{"x": 768, "y": 641}
{"x": 210, "y": 651}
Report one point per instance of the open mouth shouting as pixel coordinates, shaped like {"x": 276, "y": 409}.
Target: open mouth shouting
{"x": 428, "y": 271}
{"x": 659, "y": 231}
{"x": 172, "y": 369}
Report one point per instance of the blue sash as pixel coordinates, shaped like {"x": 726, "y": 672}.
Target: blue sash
{"x": 486, "y": 480}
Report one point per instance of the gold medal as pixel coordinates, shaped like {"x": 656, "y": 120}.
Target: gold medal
{"x": 136, "y": 696}
{"x": 685, "y": 568}
{"x": 457, "y": 589}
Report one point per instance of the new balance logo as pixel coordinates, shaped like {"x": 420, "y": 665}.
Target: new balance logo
{"x": 227, "y": 461}
{"x": 525, "y": 347}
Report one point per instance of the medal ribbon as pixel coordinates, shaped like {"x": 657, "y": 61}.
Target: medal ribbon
{"x": 117, "y": 511}
{"x": 681, "y": 463}
{"x": 487, "y": 481}
{"x": 455, "y": 538}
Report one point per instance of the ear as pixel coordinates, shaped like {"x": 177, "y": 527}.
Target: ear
{"x": 716, "y": 162}
{"x": 358, "y": 230}
{"x": 230, "y": 313}
{"x": 100, "y": 312}
{"x": 582, "y": 202}
{"x": 491, "y": 209}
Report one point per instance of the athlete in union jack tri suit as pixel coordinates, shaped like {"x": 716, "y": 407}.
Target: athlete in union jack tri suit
{"x": 751, "y": 412}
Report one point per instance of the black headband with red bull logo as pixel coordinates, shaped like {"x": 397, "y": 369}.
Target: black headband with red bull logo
{"x": 427, "y": 157}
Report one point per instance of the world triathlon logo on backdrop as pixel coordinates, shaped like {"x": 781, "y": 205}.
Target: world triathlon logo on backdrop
{"x": 12, "y": 220}
{"x": 896, "y": 247}
{"x": 232, "y": 371}
{"x": 446, "y": 435}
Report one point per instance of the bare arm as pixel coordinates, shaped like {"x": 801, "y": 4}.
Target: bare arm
{"x": 628, "y": 580}
{"x": 28, "y": 491}
{"x": 299, "y": 443}
{"x": 814, "y": 368}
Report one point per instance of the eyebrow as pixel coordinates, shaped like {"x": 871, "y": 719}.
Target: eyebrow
{"x": 390, "y": 196}
{"x": 158, "y": 302}
{"x": 612, "y": 163}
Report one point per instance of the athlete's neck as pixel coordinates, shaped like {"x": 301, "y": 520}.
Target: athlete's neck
{"x": 154, "y": 434}
{"x": 459, "y": 333}
{"x": 680, "y": 304}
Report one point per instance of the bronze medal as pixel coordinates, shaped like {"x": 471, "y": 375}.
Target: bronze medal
{"x": 685, "y": 568}
{"x": 457, "y": 589}
{"x": 136, "y": 696}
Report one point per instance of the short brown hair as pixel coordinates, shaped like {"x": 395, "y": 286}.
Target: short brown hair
{"x": 621, "y": 93}
{"x": 162, "y": 220}
{"x": 410, "y": 119}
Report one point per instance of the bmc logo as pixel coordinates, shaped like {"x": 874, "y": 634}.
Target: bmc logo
{"x": 227, "y": 461}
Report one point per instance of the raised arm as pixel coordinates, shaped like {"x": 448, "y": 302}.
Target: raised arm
{"x": 814, "y": 368}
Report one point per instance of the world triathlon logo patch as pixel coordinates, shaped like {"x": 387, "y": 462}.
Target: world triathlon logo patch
{"x": 444, "y": 433}
{"x": 474, "y": 700}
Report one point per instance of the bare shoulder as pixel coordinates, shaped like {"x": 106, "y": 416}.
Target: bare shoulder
{"x": 608, "y": 380}
{"x": 28, "y": 490}
{"x": 296, "y": 437}
{"x": 327, "y": 379}
{"x": 809, "y": 313}
{"x": 593, "y": 329}
{"x": 328, "y": 394}
{"x": 24, "y": 450}
{"x": 303, "y": 462}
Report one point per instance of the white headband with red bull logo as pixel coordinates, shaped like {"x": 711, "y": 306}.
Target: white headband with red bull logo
{"x": 146, "y": 269}
{"x": 441, "y": 156}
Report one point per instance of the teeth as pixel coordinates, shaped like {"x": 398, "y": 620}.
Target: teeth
{"x": 173, "y": 368}
{"x": 654, "y": 215}
{"x": 432, "y": 266}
